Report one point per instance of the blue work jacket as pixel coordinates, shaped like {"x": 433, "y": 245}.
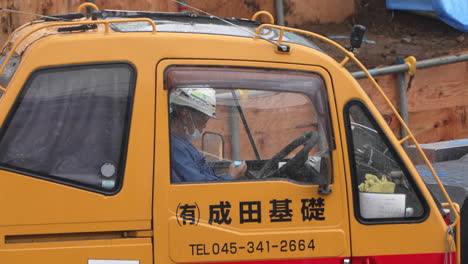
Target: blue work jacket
{"x": 188, "y": 164}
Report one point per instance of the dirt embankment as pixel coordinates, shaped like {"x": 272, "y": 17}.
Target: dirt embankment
{"x": 396, "y": 33}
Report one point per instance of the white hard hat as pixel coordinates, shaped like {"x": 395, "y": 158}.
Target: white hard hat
{"x": 200, "y": 99}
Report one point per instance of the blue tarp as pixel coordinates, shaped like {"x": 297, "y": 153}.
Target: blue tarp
{"x": 452, "y": 12}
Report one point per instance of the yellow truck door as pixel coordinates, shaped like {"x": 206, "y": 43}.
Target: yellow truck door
{"x": 393, "y": 217}
{"x": 290, "y": 207}
{"x": 76, "y": 159}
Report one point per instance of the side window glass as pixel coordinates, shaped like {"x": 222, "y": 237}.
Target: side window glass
{"x": 248, "y": 124}
{"x": 70, "y": 125}
{"x": 385, "y": 189}
{"x": 10, "y": 68}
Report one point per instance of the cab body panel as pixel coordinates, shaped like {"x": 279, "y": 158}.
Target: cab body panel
{"x": 234, "y": 238}
{"x": 421, "y": 239}
{"x": 76, "y": 218}
{"x": 56, "y": 220}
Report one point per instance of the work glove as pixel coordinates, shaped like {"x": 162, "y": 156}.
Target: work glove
{"x": 375, "y": 185}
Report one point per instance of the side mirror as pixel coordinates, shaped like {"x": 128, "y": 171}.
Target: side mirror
{"x": 357, "y": 35}
{"x": 212, "y": 145}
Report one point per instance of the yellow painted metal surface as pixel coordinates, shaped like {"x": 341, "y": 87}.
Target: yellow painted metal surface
{"x": 39, "y": 207}
{"x": 207, "y": 242}
{"x": 424, "y": 237}
{"x": 148, "y": 201}
{"x": 76, "y": 252}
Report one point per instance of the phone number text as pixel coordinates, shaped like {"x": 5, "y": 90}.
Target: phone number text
{"x": 252, "y": 247}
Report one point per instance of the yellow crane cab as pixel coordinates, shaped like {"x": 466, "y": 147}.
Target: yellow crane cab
{"x": 136, "y": 137}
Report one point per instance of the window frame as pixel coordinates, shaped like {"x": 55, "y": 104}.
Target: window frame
{"x": 398, "y": 160}
{"x": 304, "y": 91}
{"x": 120, "y": 172}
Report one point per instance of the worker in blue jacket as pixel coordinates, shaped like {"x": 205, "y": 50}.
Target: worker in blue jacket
{"x": 190, "y": 110}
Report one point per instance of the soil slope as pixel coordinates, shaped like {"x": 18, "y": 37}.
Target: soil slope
{"x": 395, "y": 33}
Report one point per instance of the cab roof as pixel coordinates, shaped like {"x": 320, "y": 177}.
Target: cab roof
{"x": 198, "y": 24}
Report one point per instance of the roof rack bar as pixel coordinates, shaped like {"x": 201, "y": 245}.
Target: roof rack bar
{"x": 87, "y": 4}
{"x": 403, "y": 140}
{"x": 254, "y": 17}
{"x": 87, "y": 22}
{"x": 344, "y": 61}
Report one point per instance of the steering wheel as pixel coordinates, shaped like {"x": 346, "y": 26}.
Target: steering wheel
{"x": 308, "y": 140}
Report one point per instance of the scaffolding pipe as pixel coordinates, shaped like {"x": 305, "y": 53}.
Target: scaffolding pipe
{"x": 279, "y": 12}
{"x": 401, "y": 82}
{"x": 234, "y": 127}
{"x": 419, "y": 65}
{"x": 183, "y": 8}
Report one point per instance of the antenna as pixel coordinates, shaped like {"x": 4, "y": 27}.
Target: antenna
{"x": 32, "y": 14}
{"x": 283, "y": 48}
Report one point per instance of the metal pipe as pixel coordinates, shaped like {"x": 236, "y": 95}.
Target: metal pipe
{"x": 279, "y": 12}
{"x": 401, "y": 82}
{"x": 419, "y": 65}
{"x": 235, "y": 139}
{"x": 183, "y": 8}
{"x": 246, "y": 125}
{"x": 89, "y": 9}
